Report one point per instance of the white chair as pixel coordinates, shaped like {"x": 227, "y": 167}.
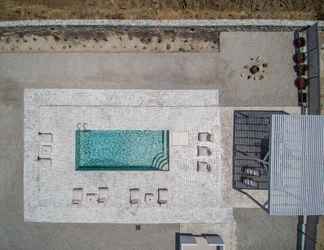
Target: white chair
{"x": 203, "y": 151}
{"x": 203, "y": 165}
{"x": 133, "y": 196}
{"x": 162, "y": 196}
{"x": 102, "y": 195}
{"x": 204, "y": 137}
{"x": 77, "y": 196}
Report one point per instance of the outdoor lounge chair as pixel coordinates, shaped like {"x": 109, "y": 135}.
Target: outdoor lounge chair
{"x": 203, "y": 151}
{"x": 203, "y": 165}
{"x": 77, "y": 196}
{"x": 132, "y": 195}
{"x": 204, "y": 137}
{"x": 162, "y": 195}
{"x": 102, "y": 195}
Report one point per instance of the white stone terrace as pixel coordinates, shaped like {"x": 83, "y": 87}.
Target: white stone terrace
{"x": 55, "y": 192}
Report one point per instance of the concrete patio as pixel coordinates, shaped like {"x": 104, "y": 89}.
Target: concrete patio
{"x": 222, "y": 70}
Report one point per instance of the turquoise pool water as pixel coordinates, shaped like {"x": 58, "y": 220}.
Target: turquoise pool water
{"x": 122, "y": 150}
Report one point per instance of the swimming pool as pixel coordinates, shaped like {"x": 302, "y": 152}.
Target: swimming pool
{"x": 122, "y": 150}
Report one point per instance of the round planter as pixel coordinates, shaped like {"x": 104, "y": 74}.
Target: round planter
{"x": 301, "y": 83}
{"x": 299, "y": 42}
{"x": 299, "y": 58}
{"x": 301, "y": 69}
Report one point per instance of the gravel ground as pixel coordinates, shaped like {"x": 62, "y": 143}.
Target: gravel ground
{"x": 172, "y": 9}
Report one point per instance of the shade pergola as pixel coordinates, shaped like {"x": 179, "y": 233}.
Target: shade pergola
{"x": 290, "y": 162}
{"x": 297, "y": 165}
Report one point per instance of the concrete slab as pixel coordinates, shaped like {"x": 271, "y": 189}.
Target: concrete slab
{"x": 255, "y": 229}
{"x": 246, "y": 24}
{"x": 221, "y": 71}
{"x": 41, "y": 236}
{"x": 243, "y": 49}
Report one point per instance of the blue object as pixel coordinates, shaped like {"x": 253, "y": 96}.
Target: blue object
{"x": 122, "y": 150}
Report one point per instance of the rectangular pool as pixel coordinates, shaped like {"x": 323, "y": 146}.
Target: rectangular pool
{"x": 122, "y": 150}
